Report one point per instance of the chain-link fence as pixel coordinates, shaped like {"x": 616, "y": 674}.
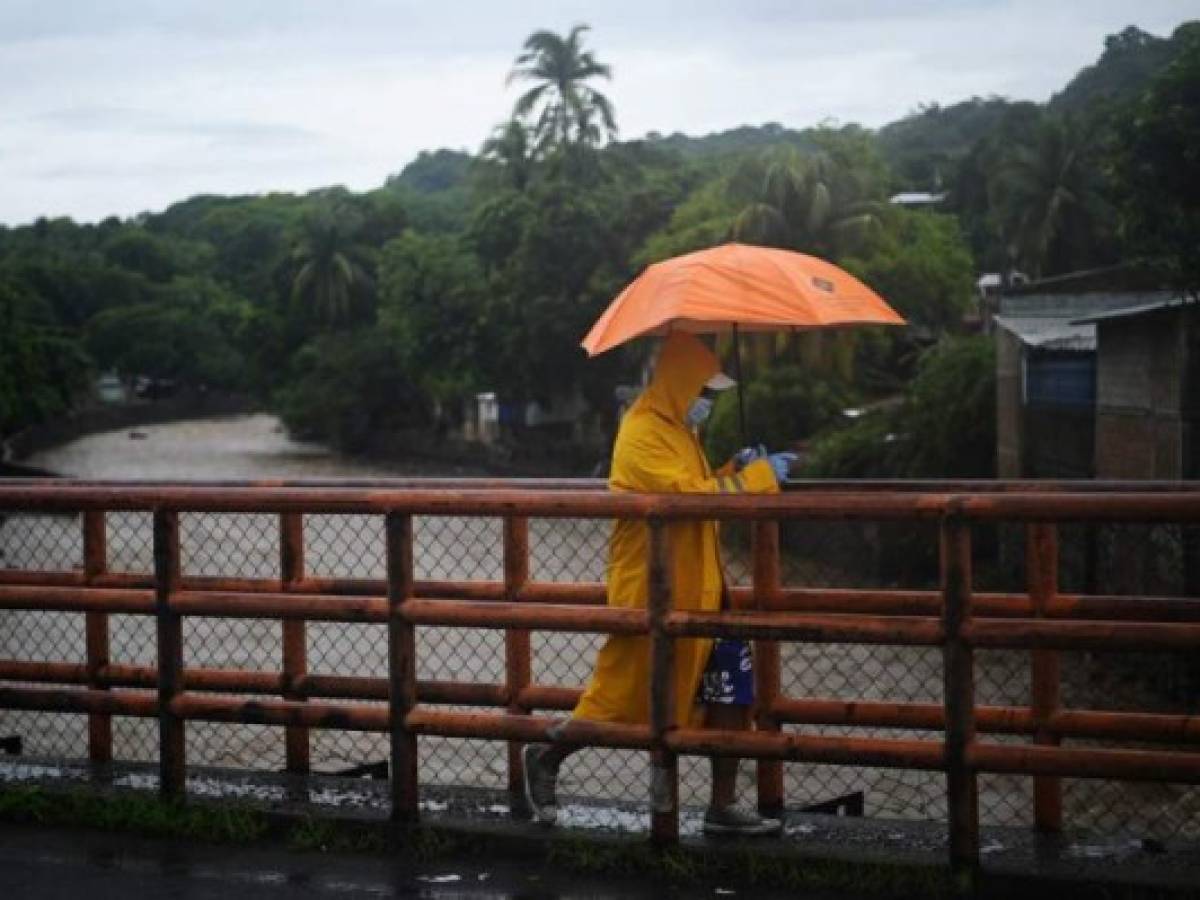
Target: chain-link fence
{"x": 606, "y": 786}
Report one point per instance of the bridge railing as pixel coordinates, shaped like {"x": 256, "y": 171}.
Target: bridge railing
{"x": 956, "y": 618}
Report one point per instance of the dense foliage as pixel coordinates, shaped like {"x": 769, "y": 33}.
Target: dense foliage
{"x": 945, "y": 426}
{"x": 358, "y": 314}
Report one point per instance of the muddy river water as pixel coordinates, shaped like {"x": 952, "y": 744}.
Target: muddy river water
{"x": 256, "y": 446}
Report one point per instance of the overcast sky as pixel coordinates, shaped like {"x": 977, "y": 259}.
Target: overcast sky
{"x": 128, "y": 105}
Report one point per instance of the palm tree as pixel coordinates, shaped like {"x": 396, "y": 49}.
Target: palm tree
{"x": 509, "y": 148}
{"x": 568, "y": 105}
{"x": 1050, "y": 200}
{"x": 330, "y": 274}
{"x": 803, "y": 203}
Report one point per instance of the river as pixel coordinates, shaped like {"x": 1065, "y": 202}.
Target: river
{"x": 245, "y": 447}
{"x": 257, "y": 447}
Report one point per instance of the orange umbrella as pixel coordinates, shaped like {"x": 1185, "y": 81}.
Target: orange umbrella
{"x": 741, "y": 288}
{"x": 737, "y": 287}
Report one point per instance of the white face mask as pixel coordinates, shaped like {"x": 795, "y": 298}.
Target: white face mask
{"x": 698, "y": 412}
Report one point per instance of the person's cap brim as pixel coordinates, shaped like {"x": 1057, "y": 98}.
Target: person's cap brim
{"x": 720, "y": 382}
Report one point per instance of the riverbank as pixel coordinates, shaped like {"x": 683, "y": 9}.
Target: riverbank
{"x": 17, "y": 449}
{"x": 252, "y": 446}
{"x": 102, "y": 442}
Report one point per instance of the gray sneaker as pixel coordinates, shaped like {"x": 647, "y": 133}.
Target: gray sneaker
{"x": 737, "y": 821}
{"x": 539, "y": 785}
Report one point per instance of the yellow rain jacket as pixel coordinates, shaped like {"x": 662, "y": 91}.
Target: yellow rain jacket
{"x": 656, "y": 452}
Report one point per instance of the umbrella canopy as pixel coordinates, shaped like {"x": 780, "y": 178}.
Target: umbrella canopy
{"x": 737, "y": 287}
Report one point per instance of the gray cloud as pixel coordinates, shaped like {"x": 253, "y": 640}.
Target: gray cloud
{"x": 125, "y": 105}
{"x": 153, "y": 122}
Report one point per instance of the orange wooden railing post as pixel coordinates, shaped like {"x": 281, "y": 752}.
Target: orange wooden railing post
{"x": 767, "y": 667}
{"x": 95, "y": 563}
{"x": 517, "y": 649}
{"x": 958, "y": 665}
{"x": 1041, "y": 547}
{"x": 402, "y": 668}
{"x": 295, "y": 640}
{"x": 664, "y": 764}
{"x": 171, "y": 754}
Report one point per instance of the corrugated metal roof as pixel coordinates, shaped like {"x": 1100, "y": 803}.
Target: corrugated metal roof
{"x": 1050, "y": 332}
{"x": 1076, "y": 306}
{"x": 1168, "y": 302}
{"x": 906, "y": 198}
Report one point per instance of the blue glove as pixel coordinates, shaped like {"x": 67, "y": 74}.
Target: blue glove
{"x": 747, "y": 455}
{"x": 781, "y": 463}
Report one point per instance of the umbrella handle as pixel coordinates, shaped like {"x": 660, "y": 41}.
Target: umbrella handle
{"x": 737, "y": 373}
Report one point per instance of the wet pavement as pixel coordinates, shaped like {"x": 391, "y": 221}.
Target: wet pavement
{"x": 49, "y": 864}
{"x": 1006, "y": 853}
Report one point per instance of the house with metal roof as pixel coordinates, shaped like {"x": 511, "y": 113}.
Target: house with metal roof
{"x": 1095, "y": 372}
{"x": 1148, "y": 389}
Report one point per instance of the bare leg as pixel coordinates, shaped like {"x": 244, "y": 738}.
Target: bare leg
{"x": 725, "y": 768}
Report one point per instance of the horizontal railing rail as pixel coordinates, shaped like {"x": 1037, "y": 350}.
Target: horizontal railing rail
{"x": 1126, "y": 505}
{"x": 955, "y": 618}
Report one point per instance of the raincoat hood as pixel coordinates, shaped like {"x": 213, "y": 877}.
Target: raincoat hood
{"x": 684, "y": 365}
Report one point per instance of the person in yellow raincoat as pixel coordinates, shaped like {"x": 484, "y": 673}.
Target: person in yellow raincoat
{"x": 657, "y": 450}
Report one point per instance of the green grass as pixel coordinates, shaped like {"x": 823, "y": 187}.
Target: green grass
{"x": 151, "y": 816}
{"x": 322, "y": 836}
{"x": 218, "y": 823}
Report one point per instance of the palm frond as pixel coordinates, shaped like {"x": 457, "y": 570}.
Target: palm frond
{"x": 573, "y": 35}
{"x": 603, "y": 106}
{"x": 761, "y": 224}
{"x": 820, "y": 204}
{"x": 302, "y": 284}
{"x": 527, "y": 101}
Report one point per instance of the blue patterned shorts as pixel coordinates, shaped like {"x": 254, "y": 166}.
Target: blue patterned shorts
{"x": 729, "y": 676}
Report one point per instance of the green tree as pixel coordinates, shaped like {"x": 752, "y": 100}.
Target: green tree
{"x": 703, "y": 219}
{"x": 173, "y": 342}
{"x": 566, "y": 106}
{"x": 42, "y": 367}
{"x": 945, "y": 427}
{"x": 550, "y": 290}
{"x": 948, "y": 419}
{"x": 157, "y": 257}
{"x": 970, "y": 185}
{"x": 1158, "y": 157}
{"x": 1130, "y": 59}
{"x": 351, "y": 389}
{"x": 920, "y": 262}
{"x": 331, "y": 277}
{"x": 510, "y": 151}
{"x": 927, "y": 146}
{"x": 1050, "y": 195}
{"x": 382, "y": 216}
{"x": 807, "y": 203}
{"x": 496, "y": 226}
{"x": 784, "y": 404}
{"x": 432, "y": 296}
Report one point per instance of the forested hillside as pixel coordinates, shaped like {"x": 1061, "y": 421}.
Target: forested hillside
{"x": 357, "y": 315}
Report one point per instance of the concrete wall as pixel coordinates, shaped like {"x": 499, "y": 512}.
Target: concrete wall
{"x": 1139, "y": 387}
{"x": 1010, "y": 425}
{"x": 1059, "y": 443}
